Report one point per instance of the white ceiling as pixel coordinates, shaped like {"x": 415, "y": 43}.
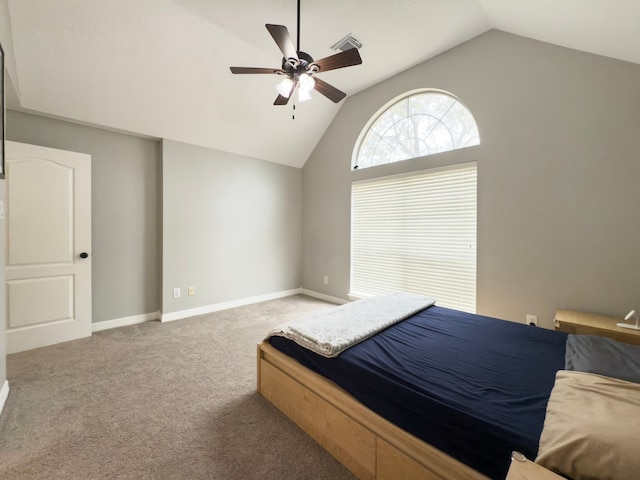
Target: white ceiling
{"x": 160, "y": 68}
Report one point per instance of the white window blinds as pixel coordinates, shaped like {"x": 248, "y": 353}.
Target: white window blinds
{"x": 416, "y": 233}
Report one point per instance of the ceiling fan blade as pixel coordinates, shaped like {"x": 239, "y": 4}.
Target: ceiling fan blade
{"x": 281, "y": 35}
{"x": 281, "y": 100}
{"x": 255, "y": 70}
{"x": 339, "y": 60}
{"x": 329, "y": 91}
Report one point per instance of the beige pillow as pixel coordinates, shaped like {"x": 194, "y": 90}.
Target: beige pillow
{"x": 592, "y": 428}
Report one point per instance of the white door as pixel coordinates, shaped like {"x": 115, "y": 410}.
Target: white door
{"x": 48, "y": 246}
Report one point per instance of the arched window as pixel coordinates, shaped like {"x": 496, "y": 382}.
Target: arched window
{"x": 419, "y": 123}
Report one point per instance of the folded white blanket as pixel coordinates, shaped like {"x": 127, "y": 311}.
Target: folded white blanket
{"x": 330, "y": 333}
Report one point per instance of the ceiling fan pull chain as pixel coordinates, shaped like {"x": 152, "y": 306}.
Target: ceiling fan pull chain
{"x": 293, "y": 115}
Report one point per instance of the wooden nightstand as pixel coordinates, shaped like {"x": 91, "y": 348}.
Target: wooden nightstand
{"x": 527, "y": 470}
{"x": 570, "y": 321}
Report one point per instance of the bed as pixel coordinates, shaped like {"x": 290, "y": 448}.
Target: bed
{"x": 452, "y": 403}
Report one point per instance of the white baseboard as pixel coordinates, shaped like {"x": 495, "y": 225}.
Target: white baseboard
{"x": 192, "y": 312}
{"x": 322, "y": 296}
{"x": 125, "y": 321}
{"x": 4, "y": 394}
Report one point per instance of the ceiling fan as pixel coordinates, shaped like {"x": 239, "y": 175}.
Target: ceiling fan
{"x": 299, "y": 68}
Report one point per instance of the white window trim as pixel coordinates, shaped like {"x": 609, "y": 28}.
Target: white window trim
{"x": 382, "y": 110}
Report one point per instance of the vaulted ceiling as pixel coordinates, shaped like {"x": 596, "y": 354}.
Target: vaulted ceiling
{"x": 160, "y": 68}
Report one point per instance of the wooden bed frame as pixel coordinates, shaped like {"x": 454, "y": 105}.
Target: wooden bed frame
{"x": 364, "y": 442}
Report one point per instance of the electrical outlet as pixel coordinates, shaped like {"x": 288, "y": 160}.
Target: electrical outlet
{"x": 326, "y": 280}
{"x": 176, "y": 293}
{"x": 532, "y": 320}
{"x": 192, "y": 291}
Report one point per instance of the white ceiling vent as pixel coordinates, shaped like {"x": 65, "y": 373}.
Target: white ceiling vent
{"x": 346, "y": 43}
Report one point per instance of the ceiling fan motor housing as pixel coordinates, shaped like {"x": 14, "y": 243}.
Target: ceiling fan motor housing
{"x": 303, "y": 64}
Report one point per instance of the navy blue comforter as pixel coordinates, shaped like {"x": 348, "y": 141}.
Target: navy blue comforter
{"x": 475, "y": 387}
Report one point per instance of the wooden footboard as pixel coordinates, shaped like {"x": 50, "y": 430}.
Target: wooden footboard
{"x": 364, "y": 442}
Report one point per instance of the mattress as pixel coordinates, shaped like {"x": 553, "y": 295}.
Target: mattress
{"x": 472, "y": 386}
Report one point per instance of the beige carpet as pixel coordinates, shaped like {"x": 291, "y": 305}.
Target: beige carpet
{"x": 157, "y": 401}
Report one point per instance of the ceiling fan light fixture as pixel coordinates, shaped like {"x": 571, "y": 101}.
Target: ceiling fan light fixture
{"x": 307, "y": 82}
{"x": 303, "y": 95}
{"x": 285, "y": 87}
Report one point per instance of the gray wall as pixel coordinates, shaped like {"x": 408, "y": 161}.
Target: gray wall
{"x": 558, "y": 176}
{"x": 125, "y": 196}
{"x": 231, "y": 226}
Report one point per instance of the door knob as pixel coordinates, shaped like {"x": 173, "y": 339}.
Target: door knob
{"x": 84, "y": 255}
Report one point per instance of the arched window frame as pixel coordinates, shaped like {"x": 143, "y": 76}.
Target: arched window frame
{"x": 373, "y": 121}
